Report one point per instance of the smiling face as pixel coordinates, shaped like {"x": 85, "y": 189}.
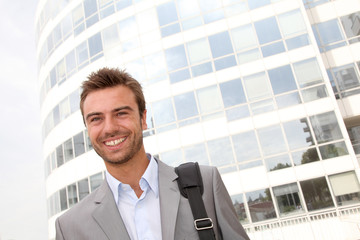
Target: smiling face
{"x": 114, "y": 124}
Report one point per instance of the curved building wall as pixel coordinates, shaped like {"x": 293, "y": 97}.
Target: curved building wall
{"x": 264, "y": 90}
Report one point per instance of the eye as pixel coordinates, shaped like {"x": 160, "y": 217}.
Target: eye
{"x": 94, "y": 119}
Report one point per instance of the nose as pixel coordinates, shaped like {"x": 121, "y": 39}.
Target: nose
{"x": 109, "y": 126}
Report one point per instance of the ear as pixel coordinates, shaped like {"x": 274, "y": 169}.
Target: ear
{"x": 143, "y": 120}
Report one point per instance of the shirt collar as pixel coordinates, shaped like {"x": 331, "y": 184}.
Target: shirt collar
{"x": 150, "y": 176}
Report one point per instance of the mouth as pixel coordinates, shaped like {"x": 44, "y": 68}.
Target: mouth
{"x": 115, "y": 142}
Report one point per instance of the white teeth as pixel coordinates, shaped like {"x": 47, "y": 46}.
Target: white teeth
{"x": 115, "y": 142}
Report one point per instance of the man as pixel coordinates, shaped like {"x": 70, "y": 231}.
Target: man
{"x": 140, "y": 198}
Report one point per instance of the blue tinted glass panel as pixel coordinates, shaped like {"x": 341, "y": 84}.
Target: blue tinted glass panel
{"x": 191, "y": 23}
{"x": 163, "y": 112}
{"x": 220, "y": 44}
{"x": 92, "y": 20}
{"x": 176, "y": 57}
{"x": 253, "y": 4}
{"x": 70, "y": 62}
{"x": 297, "y": 42}
{"x": 269, "y": 143}
{"x": 237, "y": 113}
{"x": 225, "y": 62}
{"x": 185, "y": 105}
{"x": 213, "y": 16}
{"x": 246, "y": 146}
{"x": 220, "y": 151}
{"x": 179, "y": 76}
{"x": 166, "y": 13}
{"x": 201, "y": 69}
{"x": 267, "y": 30}
{"x": 273, "y": 49}
{"x": 53, "y": 77}
{"x": 288, "y": 100}
{"x": 232, "y": 92}
{"x": 282, "y": 79}
{"x": 90, "y": 7}
{"x": 298, "y": 134}
{"x": 95, "y": 44}
{"x": 208, "y": 5}
{"x": 330, "y": 32}
{"x": 120, "y": 4}
{"x": 169, "y": 30}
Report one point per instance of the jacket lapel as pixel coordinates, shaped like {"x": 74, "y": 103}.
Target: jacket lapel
{"x": 169, "y": 199}
{"x": 106, "y": 214}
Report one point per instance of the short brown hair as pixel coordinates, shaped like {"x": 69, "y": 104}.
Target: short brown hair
{"x": 111, "y": 77}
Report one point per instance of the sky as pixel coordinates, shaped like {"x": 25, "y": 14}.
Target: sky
{"x": 22, "y": 184}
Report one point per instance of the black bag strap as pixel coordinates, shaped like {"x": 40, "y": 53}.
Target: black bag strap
{"x": 191, "y": 187}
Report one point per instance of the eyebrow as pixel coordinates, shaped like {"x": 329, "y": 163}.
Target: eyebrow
{"x": 115, "y": 110}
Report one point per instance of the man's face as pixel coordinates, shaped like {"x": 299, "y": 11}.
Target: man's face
{"x": 114, "y": 125}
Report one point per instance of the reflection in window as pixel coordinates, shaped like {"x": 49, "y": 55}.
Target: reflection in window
{"x": 72, "y": 194}
{"x": 82, "y": 53}
{"x": 346, "y": 77}
{"x": 298, "y": 134}
{"x": 110, "y": 36}
{"x": 220, "y": 152}
{"x": 166, "y": 13}
{"x": 176, "y": 57}
{"x": 79, "y": 144}
{"x": 83, "y": 187}
{"x": 278, "y": 162}
{"x": 172, "y": 158}
{"x": 354, "y": 134}
{"x": 314, "y": 93}
{"x": 185, "y": 105}
{"x": 273, "y": 49}
{"x": 64, "y": 108}
{"x": 237, "y": 113}
{"x": 196, "y": 153}
{"x": 305, "y": 156}
{"x": 70, "y": 63}
{"x": 163, "y": 112}
{"x": 325, "y": 126}
{"x": 292, "y": 23}
{"x": 316, "y": 193}
{"x": 297, "y": 42}
{"x": 329, "y": 32}
{"x": 258, "y": 3}
{"x": 188, "y": 8}
{"x": 288, "y": 100}
{"x": 267, "y": 30}
{"x": 208, "y": 5}
{"x": 282, "y": 79}
{"x": 128, "y": 29}
{"x": 59, "y": 155}
{"x": 348, "y": 22}
{"x": 246, "y": 146}
{"x": 198, "y": 51}
{"x": 333, "y": 150}
{"x": 271, "y": 140}
{"x": 249, "y": 56}
{"x": 179, "y": 76}
{"x": 95, "y": 181}
{"x": 288, "y": 199}
{"x": 209, "y": 99}
{"x": 155, "y": 64}
{"x": 260, "y": 204}
{"x": 63, "y": 199}
{"x": 68, "y": 150}
{"x": 257, "y": 86}
{"x": 232, "y": 92}
{"x": 346, "y": 188}
{"x": 308, "y": 72}
{"x": 262, "y": 106}
{"x": 238, "y": 202}
{"x": 220, "y": 44}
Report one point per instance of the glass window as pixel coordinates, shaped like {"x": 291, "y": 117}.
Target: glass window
{"x": 220, "y": 44}
{"x": 249, "y": 56}
{"x": 346, "y": 77}
{"x": 191, "y": 23}
{"x": 345, "y": 187}
{"x": 196, "y": 153}
{"x": 70, "y": 63}
{"x": 95, "y": 44}
{"x": 225, "y": 62}
{"x": 238, "y": 202}
{"x": 72, "y": 194}
{"x": 172, "y": 158}
{"x": 179, "y": 76}
{"x": 298, "y": 134}
{"x": 329, "y": 32}
{"x": 82, "y": 53}
{"x": 166, "y": 13}
{"x": 53, "y": 160}
{"x": 316, "y": 193}
{"x": 258, "y": 3}
{"x": 270, "y": 144}
{"x": 260, "y": 204}
{"x": 60, "y": 70}
{"x": 198, "y": 51}
{"x": 95, "y": 181}
{"x": 288, "y": 199}
{"x": 56, "y": 115}
{"x": 326, "y": 127}
{"x": 237, "y": 113}
{"x": 88, "y": 142}
{"x": 314, "y": 93}
{"x": 185, "y": 105}
{"x": 305, "y": 156}
{"x": 188, "y": 8}
{"x": 163, "y": 112}
{"x": 308, "y": 72}
{"x": 83, "y": 186}
{"x": 59, "y": 155}
{"x": 232, "y": 92}
{"x": 170, "y": 30}
{"x": 128, "y": 28}
{"x": 348, "y": 22}
{"x": 208, "y": 5}
{"x": 282, "y": 79}
{"x": 53, "y": 76}
{"x": 262, "y": 106}
{"x": 354, "y": 134}
{"x": 292, "y": 23}
{"x": 272, "y": 49}
{"x": 246, "y": 146}
{"x": 74, "y": 98}
{"x": 57, "y": 34}
{"x": 64, "y": 108}
{"x": 147, "y": 21}
{"x": 68, "y": 150}
{"x": 297, "y": 42}
{"x": 288, "y": 100}
{"x": 333, "y": 150}
{"x": 176, "y": 57}
{"x": 257, "y": 86}
{"x": 201, "y": 69}
{"x": 267, "y": 30}
{"x": 90, "y": 7}
{"x": 209, "y": 99}
{"x": 66, "y": 26}
{"x": 121, "y": 4}
{"x": 79, "y": 144}
{"x": 63, "y": 199}
{"x": 78, "y": 15}
{"x": 213, "y": 16}
{"x": 278, "y": 162}
{"x": 220, "y": 152}
{"x": 110, "y": 36}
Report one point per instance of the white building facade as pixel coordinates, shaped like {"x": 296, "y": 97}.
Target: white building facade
{"x": 266, "y": 90}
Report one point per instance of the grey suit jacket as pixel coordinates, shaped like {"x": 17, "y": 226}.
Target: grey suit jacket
{"x": 97, "y": 217}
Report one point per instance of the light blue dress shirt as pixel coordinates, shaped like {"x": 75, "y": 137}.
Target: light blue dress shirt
{"x": 141, "y": 215}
